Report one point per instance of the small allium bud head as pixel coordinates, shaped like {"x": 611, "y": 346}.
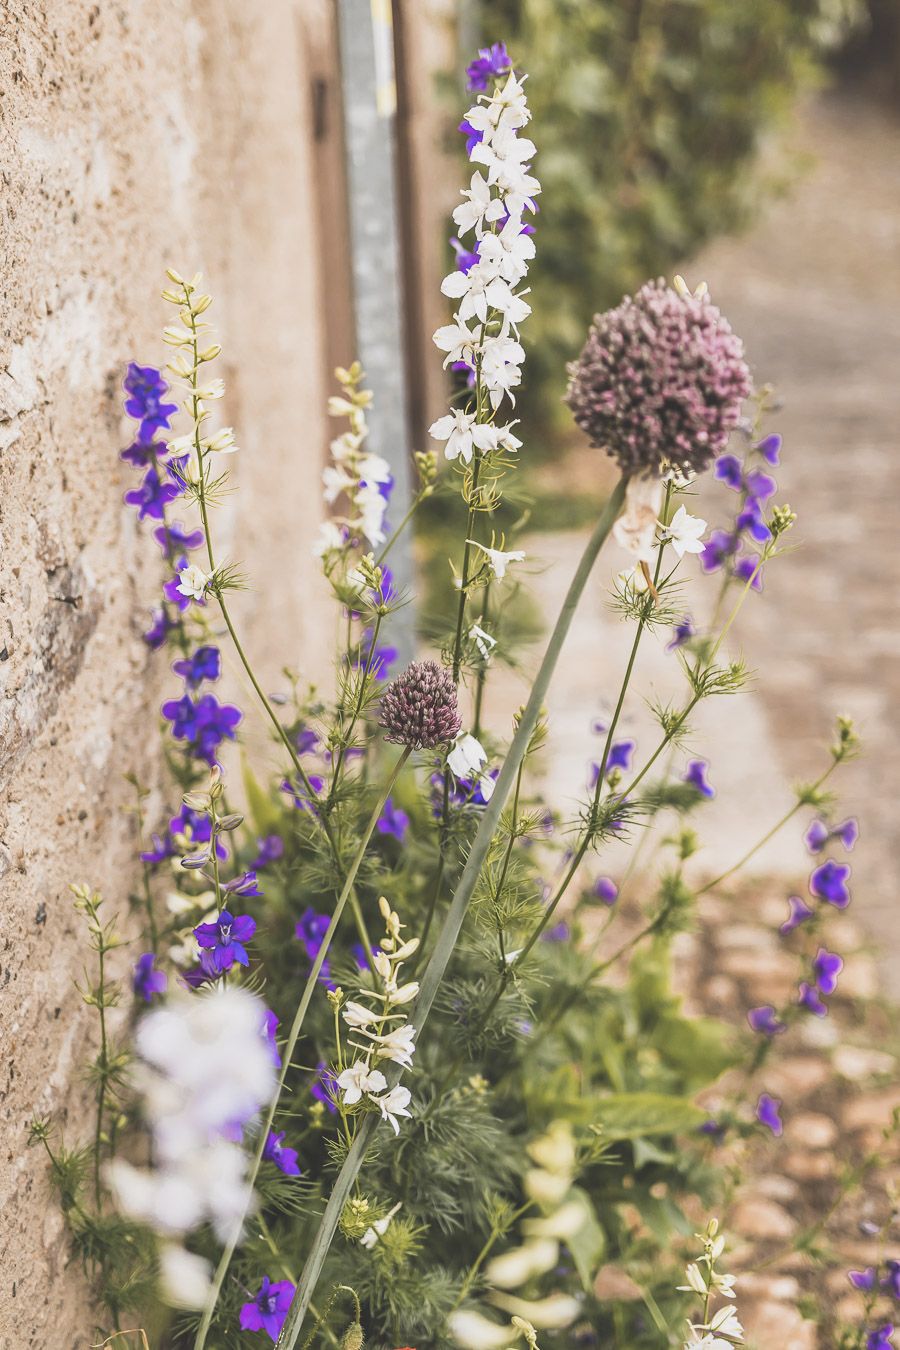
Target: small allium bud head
{"x": 660, "y": 381}
{"x": 419, "y": 708}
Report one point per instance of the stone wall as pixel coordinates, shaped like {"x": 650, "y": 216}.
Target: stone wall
{"x": 134, "y": 135}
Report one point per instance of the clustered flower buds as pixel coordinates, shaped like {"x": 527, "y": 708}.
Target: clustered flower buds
{"x": 419, "y": 709}
{"x": 660, "y": 381}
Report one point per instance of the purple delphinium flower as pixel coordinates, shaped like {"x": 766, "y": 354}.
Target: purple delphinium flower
{"x": 714, "y": 1130}
{"x": 800, "y": 911}
{"x": 197, "y": 828}
{"x": 153, "y": 496}
{"x": 270, "y": 1035}
{"x": 285, "y": 1159}
{"x": 864, "y": 1280}
{"x": 269, "y": 849}
{"x": 619, "y": 757}
{"x": 160, "y": 850}
{"x": 224, "y": 939}
{"x": 767, "y": 1113}
{"x": 746, "y": 567}
{"x": 473, "y": 138}
{"x": 882, "y": 1338}
{"x": 244, "y": 885}
{"x": 819, "y": 835}
{"x": 466, "y": 258}
{"x": 324, "y": 1086}
{"x": 143, "y": 451}
{"x": 769, "y": 447}
{"x": 311, "y": 928}
{"x": 730, "y": 471}
{"x": 268, "y": 1309}
{"x": 146, "y": 389}
{"x": 660, "y": 379}
{"x": 827, "y": 966}
{"x": 808, "y": 998}
{"x": 891, "y": 1279}
{"x": 718, "y": 548}
{"x": 696, "y": 776}
{"x": 765, "y": 1021}
{"x": 358, "y": 952}
{"x": 393, "y": 821}
{"x": 306, "y": 741}
{"x": 160, "y": 628}
{"x": 174, "y": 537}
{"x": 173, "y": 594}
{"x": 829, "y": 882}
{"x": 751, "y": 520}
{"x": 489, "y": 63}
{"x": 559, "y": 932}
{"x": 760, "y": 486}
{"x": 146, "y": 981}
{"x": 606, "y": 890}
{"x": 684, "y": 630}
{"x": 204, "y": 724}
{"x": 298, "y": 793}
{"x": 205, "y": 664}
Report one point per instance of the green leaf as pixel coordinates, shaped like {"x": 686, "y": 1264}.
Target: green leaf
{"x": 588, "y": 1245}
{"x": 699, "y": 1047}
{"x": 628, "y": 1115}
{"x": 266, "y": 817}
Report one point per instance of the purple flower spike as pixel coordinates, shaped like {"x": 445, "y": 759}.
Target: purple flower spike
{"x": 827, "y": 966}
{"x": 224, "y": 940}
{"x": 730, "y": 471}
{"x": 817, "y": 836}
{"x": 864, "y": 1280}
{"x": 761, "y": 486}
{"x": 808, "y": 998}
{"x": 800, "y": 912}
{"x": 769, "y": 448}
{"x": 393, "y": 821}
{"x": 269, "y": 1308}
{"x": 696, "y": 776}
{"x": 160, "y": 628}
{"x": 173, "y": 538}
{"x": 764, "y": 1021}
{"x": 489, "y": 63}
{"x": 160, "y": 850}
{"x": 269, "y": 849}
{"x": 606, "y": 890}
{"x": 829, "y": 882}
{"x": 684, "y": 630}
{"x": 285, "y": 1159}
{"x": 768, "y": 1114}
{"x": 891, "y": 1280}
{"x": 153, "y": 496}
{"x": 146, "y": 982}
{"x": 298, "y": 794}
{"x": 882, "y": 1338}
{"x": 205, "y": 664}
{"x": 311, "y": 930}
{"x": 751, "y": 519}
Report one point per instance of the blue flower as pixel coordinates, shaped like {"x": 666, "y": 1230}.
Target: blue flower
{"x": 198, "y": 830}
{"x": 714, "y": 1130}
{"x": 146, "y": 389}
{"x": 769, "y": 448}
{"x": 358, "y": 952}
{"x": 606, "y": 890}
{"x": 473, "y": 138}
{"x": 162, "y": 849}
{"x": 173, "y": 537}
{"x": 306, "y": 741}
{"x": 718, "y": 548}
{"x": 311, "y": 928}
{"x": 143, "y": 451}
{"x": 489, "y": 63}
{"x": 863, "y": 1280}
{"x": 298, "y": 793}
{"x": 393, "y": 821}
{"x": 205, "y": 664}
{"x": 767, "y": 1113}
{"x": 466, "y": 258}
{"x": 684, "y": 630}
{"x": 882, "y": 1338}
{"x": 819, "y": 835}
{"x": 160, "y": 628}
{"x": 808, "y": 998}
{"x": 269, "y": 1307}
{"x": 204, "y": 724}
{"x": 729, "y": 471}
{"x": 558, "y": 933}
{"x": 244, "y": 885}
{"x": 696, "y": 776}
{"x": 800, "y": 911}
{"x": 764, "y": 1021}
{"x": 269, "y": 849}
{"x": 145, "y": 981}
{"x": 827, "y": 966}
{"x": 744, "y": 569}
{"x": 224, "y": 940}
{"x": 153, "y": 496}
{"x": 751, "y": 520}
{"x": 324, "y": 1086}
{"x": 285, "y": 1159}
{"x": 829, "y": 882}
{"x": 760, "y": 486}
{"x": 269, "y": 1031}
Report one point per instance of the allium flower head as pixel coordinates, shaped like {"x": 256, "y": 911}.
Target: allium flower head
{"x": 661, "y": 379}
{"x": 419, "y": 708}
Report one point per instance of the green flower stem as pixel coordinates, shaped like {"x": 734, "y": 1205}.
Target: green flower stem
{"x": 354, "y": 717}
{"x": 485, "y": 1252}
{"x": 148, "y": 892}
{"x": 103, "y": 1060}
{"x": 770, "y": 834}
{"x": 395, "y": 533}
{"x": 449, "y": 934}
{"x": 481, "y": 678}
{"x": 287, "y": 1053}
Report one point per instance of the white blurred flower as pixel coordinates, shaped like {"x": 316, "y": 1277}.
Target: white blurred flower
{"x": 635, "y": 530}
{"x": 498, "y": 559}
{"x": 185, "y": 1279}
{"x": 483, "y": 641}
{"x": 468, "y": 756}
{"x": 517, "y": 1266}
{"x": 378, "y": 1228}
{"x": 684, "y": 532}
{"x": 331, "y": 538}
{"x": 472, "y": 1331}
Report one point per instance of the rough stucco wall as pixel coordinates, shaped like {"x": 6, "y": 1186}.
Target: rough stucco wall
{"x": 132, "y": 135}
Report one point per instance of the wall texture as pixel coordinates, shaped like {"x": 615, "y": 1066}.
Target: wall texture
{"x": 133, "y": 135}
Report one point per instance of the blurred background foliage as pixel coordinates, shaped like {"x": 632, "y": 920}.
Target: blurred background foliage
{"x": 650, "y": 116}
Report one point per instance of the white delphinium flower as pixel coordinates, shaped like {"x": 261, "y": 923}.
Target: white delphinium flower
{"x": 330, "y": 539}
{"x": 720, "y": 1330}
{"x": 684, "y": 532}
{"x": 483, "y": 641}
{"x": 394, "y": 1104}
{"x": 397, "y": 1045}
{"x": 499, "y": 559}
{"x": 462, "y": 433}
{"x": 193, "y": 581}
{"x": 457, "y": 341}
{"x": 480, "y": 207}
{"x": 359, "y": 1078}
{"x": 468, "y": 756}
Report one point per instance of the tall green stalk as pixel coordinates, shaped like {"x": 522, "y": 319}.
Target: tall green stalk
{"x": 449, "y": 933}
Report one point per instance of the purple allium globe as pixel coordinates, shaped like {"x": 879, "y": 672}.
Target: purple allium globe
{"x": 660, "y": 380}
{"x": 419, "y": 708}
